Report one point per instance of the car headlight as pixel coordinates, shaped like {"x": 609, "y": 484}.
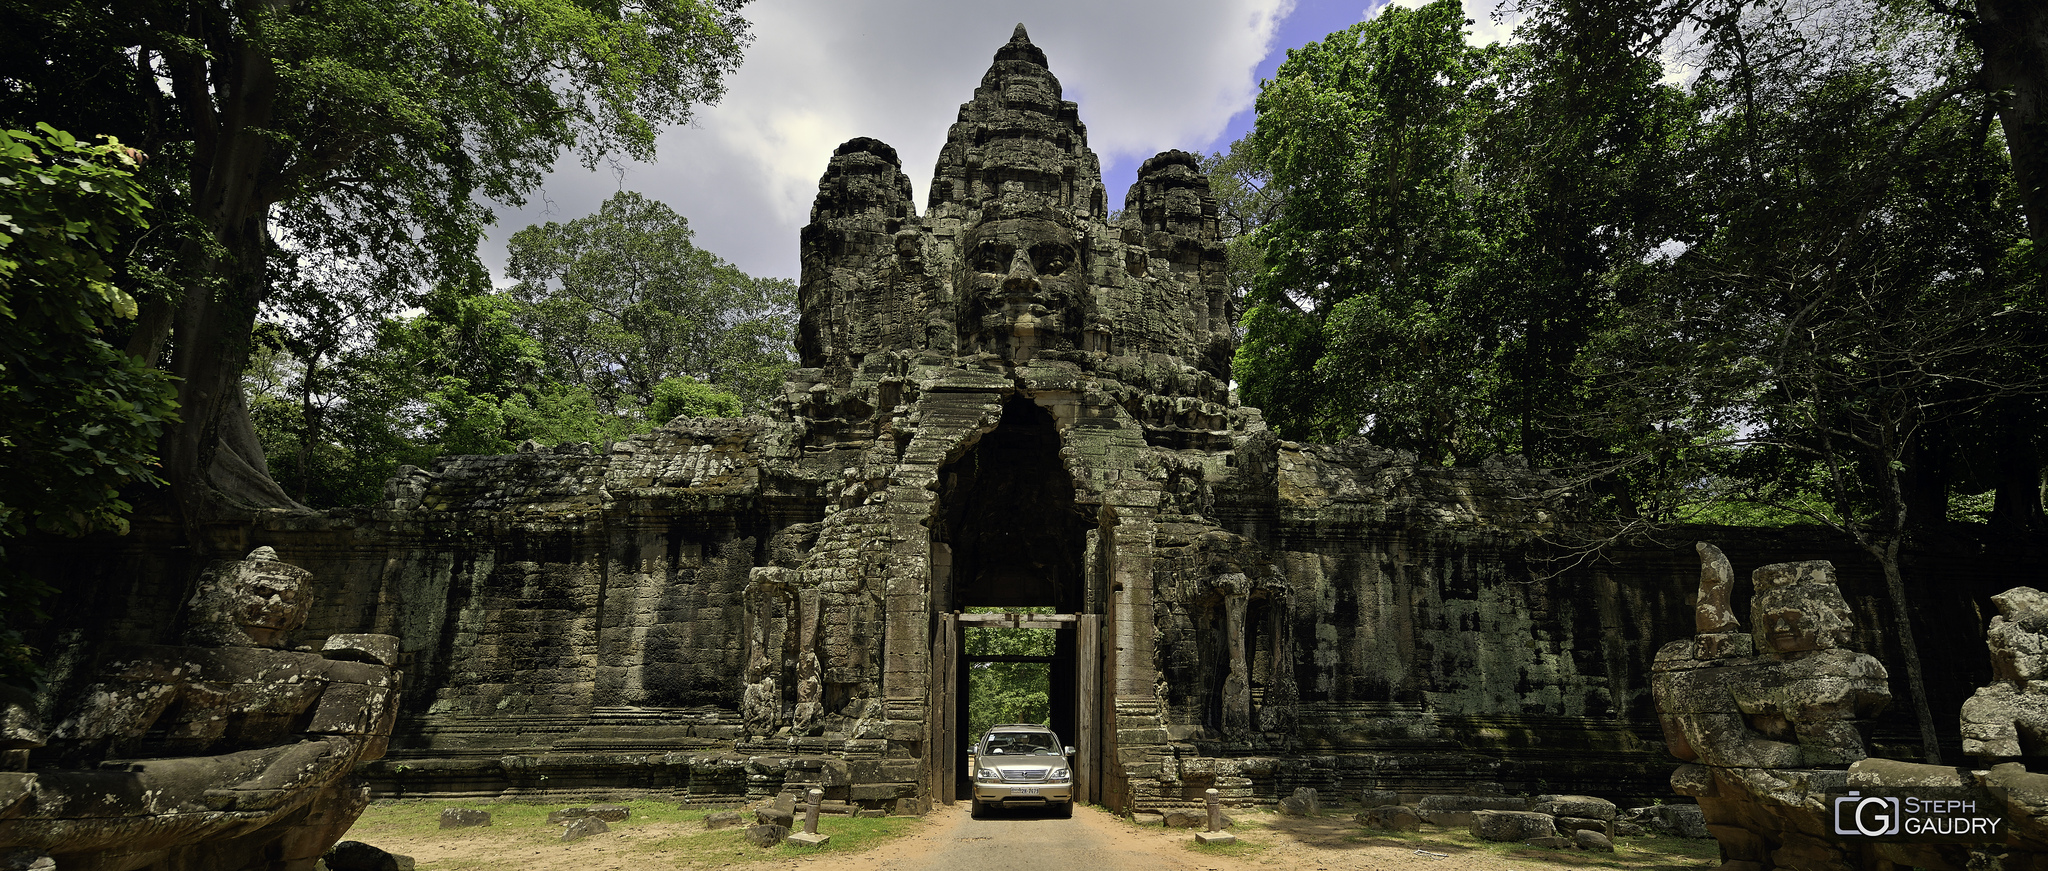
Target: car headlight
{"x": 1059, "y": 774}
{"x": 986, "y": 774}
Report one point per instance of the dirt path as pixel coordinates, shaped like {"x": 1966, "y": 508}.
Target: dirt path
{"x": 1093, "y": 840}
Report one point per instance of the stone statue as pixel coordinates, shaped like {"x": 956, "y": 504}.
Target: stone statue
{"x": 230, "y": 754}
{"x": 2010, "y": 717}
{"x": 1764, "y": 720}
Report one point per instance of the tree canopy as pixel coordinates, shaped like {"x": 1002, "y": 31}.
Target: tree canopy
{"x": 367, "y": 131}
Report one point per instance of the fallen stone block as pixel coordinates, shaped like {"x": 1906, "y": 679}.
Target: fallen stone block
{"x": 1393, "y": 818}
{"x": 774, "y": 816}
{"x": 1568, "y": 825}
{"x": 611, "y": 813}
{"x": 1587, "y": 839}
{"x": 1302, "y": 803}
{"x": 724, "y": 820}
{"x": 1584, "y": 806}
{"x": 358, "y": 856}
{"x": 1512, "y": 825}
{"x": 584, "y": 827}
{"x": 464, "y": 818}
{"x": 767, "y": 835}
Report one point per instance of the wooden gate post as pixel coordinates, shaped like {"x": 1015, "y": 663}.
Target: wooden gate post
{"x": 1088, "y": 707}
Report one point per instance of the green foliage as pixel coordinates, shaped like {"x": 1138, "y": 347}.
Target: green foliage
{"x": 621, "y": 301}
{"x": 480, "y": 372}
{"x": 1453, "y": 226}
{"x": 83, "y": 418}
{"x": 367, "y": 132}
{"x": 683, "y": 396}
{"x": 1365, "y": 135}
{"x": 1008, "y": 692}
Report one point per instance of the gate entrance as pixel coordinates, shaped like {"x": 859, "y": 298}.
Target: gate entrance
{"x": 1009, "y": 535}
{"x": 1074, "y": 675}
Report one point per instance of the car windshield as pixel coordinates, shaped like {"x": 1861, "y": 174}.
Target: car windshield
{"x": 1022, "y": 743}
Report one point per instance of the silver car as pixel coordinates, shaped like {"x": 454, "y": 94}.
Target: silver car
{"x": 1021, "y": 766}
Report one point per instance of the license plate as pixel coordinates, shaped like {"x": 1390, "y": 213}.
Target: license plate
{"x": 1024, "y": 790}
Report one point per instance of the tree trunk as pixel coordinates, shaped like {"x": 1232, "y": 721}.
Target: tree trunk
{"x": 1886, "y": 551}
{"x": 212, "y": 458}
{"x": 2013, "y": 35}
{"x": 2016, "y": 509}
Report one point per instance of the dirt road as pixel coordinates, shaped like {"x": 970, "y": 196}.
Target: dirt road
{"x": 1024, "y": 841}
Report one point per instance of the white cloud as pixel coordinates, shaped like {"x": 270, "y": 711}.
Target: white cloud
{"x": 1148, "y": 75}
{"x": 1485, "y": 29}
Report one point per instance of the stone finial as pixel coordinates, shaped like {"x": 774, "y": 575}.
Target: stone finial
{"x": 1717, "y": 585}
{"x": 1020, "y": 48}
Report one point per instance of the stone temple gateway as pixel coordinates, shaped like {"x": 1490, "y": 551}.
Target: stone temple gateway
{"x": 1007, "y": 400}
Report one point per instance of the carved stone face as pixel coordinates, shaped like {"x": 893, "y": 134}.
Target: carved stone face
{"x": 1786, "y": 630}
{"x": 1024, "y": 283}
{"x": 1789, "y": 622}
{"x": 248, "y": 603}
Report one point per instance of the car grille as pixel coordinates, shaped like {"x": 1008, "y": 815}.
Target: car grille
{"x": 1023, "y": 775}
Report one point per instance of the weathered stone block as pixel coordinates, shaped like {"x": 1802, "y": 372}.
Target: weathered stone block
{"x": 358, "y": 856}
{"x": 1585, "y": 806}
{"x": 463, "y": 818}
{"x": 724, "y": 820}
{"x": 767, "y": 834}
{"x": 1302, "y": 803}
{"x": 1490, "y": 825}
{"x": 584, "y": 827}
{"x": 608, "y": 813}
{"x": 1393, "y": 817}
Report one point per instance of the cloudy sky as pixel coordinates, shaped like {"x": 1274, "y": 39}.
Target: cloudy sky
{"x": 1149, "y": 75}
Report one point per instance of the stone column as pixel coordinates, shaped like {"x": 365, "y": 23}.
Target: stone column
{"x": 1215, "y": 834}
{"x": 809, "y": 837}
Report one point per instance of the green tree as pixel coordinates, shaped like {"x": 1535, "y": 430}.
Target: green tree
{"x": 1365, "y": 133}
{"x": 352, "y": 127}
{"x": 83, "y": 417}
{"x": 621, "y": 301}
{"x": 1454, "y": 226}
{"x": 1008, "y": 692}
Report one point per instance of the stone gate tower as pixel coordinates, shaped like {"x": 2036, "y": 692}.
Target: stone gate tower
{"x": 1018, "y": 400}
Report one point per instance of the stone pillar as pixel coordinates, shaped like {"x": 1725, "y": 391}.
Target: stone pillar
{"x": 809, "y": 837}
{"x": 1215, "y": 834}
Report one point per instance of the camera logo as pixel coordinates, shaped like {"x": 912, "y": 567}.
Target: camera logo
{"x": 1872, "y": 816}
{"x": 1928, "y": 814}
